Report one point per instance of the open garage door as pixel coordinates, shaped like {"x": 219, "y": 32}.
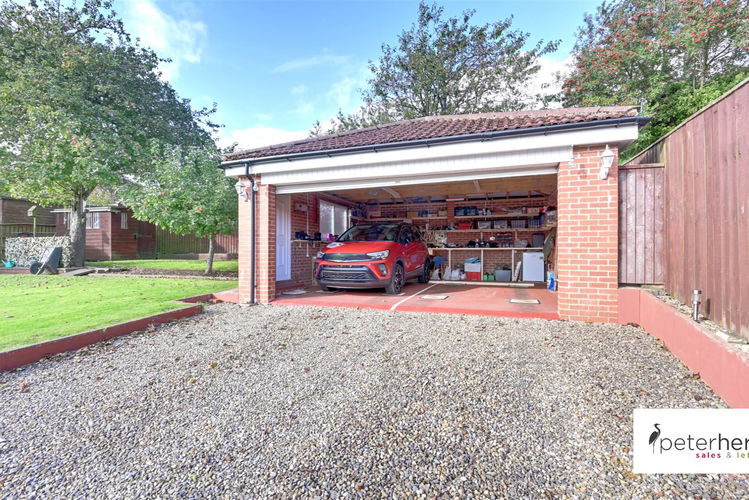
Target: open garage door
{"x": 494, "y": 231}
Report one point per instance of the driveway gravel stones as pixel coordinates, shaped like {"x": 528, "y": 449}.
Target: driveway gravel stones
{"x": 273, "y": 401}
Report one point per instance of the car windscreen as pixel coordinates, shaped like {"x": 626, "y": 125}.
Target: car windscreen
{"x": 371, "y": 232}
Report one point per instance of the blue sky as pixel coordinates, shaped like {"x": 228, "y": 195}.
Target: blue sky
{"x": 274, "y": 68}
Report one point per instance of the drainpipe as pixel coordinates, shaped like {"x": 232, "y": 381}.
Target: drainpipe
{"x": 252, "y": 231}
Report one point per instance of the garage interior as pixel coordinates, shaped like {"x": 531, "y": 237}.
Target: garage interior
{"x": 493, "y": 241}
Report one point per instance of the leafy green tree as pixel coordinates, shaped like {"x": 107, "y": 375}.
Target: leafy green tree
{"x": 186, "y": 194}
{"x": 82, "y": 106}
{"x": 448, "y": 66}
{"x": 673, "y": 55}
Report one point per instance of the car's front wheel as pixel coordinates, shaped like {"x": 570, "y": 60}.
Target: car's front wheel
{"x": 395, "y": 286}
{"x": 424, "y": 276}
{"x": 324, "y": 288}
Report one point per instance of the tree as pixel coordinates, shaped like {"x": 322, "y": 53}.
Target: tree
{"x": 186, "y": 194}
{"x": 673, "y": 55}
{"x": 449, "y": 66}
{"x": 82, "y": 106}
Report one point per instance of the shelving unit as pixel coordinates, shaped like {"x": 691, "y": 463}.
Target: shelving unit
{"x": 481, "y": 251}
{"x": 501, "y": 210}
{"x": 541, "y": 229}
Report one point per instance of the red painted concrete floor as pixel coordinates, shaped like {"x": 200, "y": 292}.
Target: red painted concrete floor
{"x": 462, "y": 299}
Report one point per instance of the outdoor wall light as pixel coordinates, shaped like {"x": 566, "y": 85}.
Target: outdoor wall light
{"x": 607, "y": 159}
{"x": 241, "y": 190}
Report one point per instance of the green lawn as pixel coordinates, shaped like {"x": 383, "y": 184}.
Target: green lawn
{"x": 177, "y": 264}
{"x": 38, "y": 308}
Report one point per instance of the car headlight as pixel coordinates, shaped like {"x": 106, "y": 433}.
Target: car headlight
{"x": 320, "y": 255}
{"x": 379, "y": 255}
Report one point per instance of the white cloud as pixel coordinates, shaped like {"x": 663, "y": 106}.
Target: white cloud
{"x": 310, "y": 62}
{"x": 545, "y": 81}
{"x": 344, "y": 93}
{"x": 256, "y": 137}
{"x": 180, "y": 40}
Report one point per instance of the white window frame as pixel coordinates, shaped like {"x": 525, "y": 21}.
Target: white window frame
{"x": 93, "y": 220}
{"x": 123, "y": 220}
{"x": 341, "y": 219}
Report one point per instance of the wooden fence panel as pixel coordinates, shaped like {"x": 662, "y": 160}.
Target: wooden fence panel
{"x": 170, "y": 243}
{"x": 706, "y": 195}
{"x": 640, "y": 216}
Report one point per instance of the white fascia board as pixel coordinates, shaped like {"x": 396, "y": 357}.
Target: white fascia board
{"x": 621, "y": 134}
{"x": 408, "y": 181}
{"x": 423, "y": 167}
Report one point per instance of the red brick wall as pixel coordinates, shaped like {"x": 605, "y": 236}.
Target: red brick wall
{"x": 303, "y": 253}
{"x": 587, "y": 241}
{"x": 265, "y": 275}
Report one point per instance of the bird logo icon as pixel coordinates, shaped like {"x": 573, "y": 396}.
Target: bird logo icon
{"x": 654, "y": 435}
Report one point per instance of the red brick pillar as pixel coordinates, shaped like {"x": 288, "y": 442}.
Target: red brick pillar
{"x": 265, "y": 268}
{"x": 265, "y": 244}
{"x": 587, "y": 242}
{"x": 244, "y": 235}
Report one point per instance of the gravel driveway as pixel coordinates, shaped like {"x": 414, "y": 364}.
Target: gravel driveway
{"x": 297, "y": 401}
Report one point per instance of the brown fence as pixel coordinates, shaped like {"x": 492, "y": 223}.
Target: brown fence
{"x": 170, "y": 243}
{"x": 13, "y": 230}
{"x": 641, "y": 223}
{"x": 706, "y": 194}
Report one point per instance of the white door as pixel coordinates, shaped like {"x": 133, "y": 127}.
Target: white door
{"x": 283, "y": 237}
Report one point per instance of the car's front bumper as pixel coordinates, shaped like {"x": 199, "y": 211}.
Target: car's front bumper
{"x": 350, "y": 275}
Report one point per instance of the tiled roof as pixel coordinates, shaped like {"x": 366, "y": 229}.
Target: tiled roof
{"x": 433, "y": 127}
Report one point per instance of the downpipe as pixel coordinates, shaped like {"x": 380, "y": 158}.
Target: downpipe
{"x": 253, "y": 189}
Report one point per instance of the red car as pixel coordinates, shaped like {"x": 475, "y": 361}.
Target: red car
{"x": 374, "y": 256}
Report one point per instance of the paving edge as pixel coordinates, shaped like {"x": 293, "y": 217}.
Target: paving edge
{"x": 10, "y": 360}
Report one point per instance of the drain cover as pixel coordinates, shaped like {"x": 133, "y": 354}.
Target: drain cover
{"x": 434, "y": 297}
{"x": 525, "y": 301}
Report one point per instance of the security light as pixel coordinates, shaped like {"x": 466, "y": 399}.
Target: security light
{"x": 607, "y": 159}
{"x": 241, "y": 189}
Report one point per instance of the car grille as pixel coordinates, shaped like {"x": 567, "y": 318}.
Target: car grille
{"x": 346, "y": 257}
{"x": 345, "y": 273}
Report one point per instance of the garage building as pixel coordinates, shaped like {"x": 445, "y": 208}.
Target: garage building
{"x": 524, "y": 193}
